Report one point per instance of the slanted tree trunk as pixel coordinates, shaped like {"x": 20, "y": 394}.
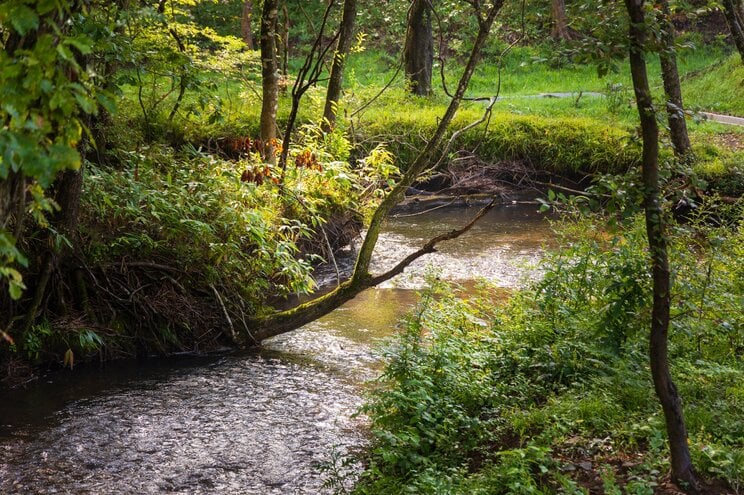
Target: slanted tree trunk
{"x": 419, "y": 48}
{"x": 733, "y": 10}
{"x": 682, "y": 469}
{"x": 672, "y": 88}
{"x": 345, "y": 40}
{"x": 269, "y": 75}
{"x": 285, "y": 321}
{"x": 246, "y": 24}
{"x": 560, "y": 30}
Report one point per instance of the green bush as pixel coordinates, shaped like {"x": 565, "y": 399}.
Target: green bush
{"x": 491, "y": 398}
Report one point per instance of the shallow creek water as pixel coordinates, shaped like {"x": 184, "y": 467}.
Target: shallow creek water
{"x": 244, "y": 423}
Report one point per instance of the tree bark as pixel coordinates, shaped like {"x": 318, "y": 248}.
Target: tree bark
{"x": 560, "y": 29}
{"x": 345, "y": 40}
{"x": 682, "y": 469}
{"x": 733, "y": 10}
{"x": 285, "y": 321}
{"x": 672, "y": 88}
{"x": 270, "y": 76}
{"x": 284, "y": 37}
{"x": 419, "y": 48}
{"x": 246, "y": 24}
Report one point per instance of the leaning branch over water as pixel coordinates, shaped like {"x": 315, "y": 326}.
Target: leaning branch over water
{"x": 361, "y": 279}
{"x": 291, "y": 319}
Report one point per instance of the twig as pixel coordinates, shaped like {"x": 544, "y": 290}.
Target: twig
{"x": 384, "y": 88}
{"x": 430, "y": 246}
{"x": 141, "y": 264}
{"x": 407, "y": 215}
{"x": 333, "y": 258}
{"x": 227, "y": 315}
{"x": 486, "y": 116}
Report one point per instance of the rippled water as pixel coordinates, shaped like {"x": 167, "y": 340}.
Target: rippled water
{"x": 257, "y": 422}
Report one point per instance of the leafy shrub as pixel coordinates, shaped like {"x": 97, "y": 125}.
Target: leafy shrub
{"x": 491, "y": 398}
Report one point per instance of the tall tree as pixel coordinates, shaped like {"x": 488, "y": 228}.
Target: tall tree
{"x": 345, "y": 40}
{"x": 418, "y": 53}
{"x": 672, "y": 87}
{"x": 682, "y": 469}
{"x": 246, "y": 23}
{"x": 361, "y": 278}
{"x": 733, "y": 10}
{"x": 560, "y": 30}
{"x": 269, "y": 75}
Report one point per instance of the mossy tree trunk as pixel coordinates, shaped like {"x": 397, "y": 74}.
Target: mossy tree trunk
{"x": 419, "y": 48}
{"x": 361, "y": 278}
{"x": 345, "y": 40}
{"x": 682, "y": 469}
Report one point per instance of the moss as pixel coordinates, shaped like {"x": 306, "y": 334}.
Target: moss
{"x": 559, "y": 145}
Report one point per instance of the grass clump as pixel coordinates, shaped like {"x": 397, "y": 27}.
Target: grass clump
{"x": 551, "y": 391}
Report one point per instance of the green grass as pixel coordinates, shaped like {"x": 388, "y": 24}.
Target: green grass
{"x": 718, "y": 88}
{"x": 565, "y": 136}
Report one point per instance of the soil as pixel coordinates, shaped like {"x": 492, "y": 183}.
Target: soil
{"x": 731, "y": 140}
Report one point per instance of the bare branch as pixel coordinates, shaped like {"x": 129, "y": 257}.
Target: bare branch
{"x": 430, "y": 246}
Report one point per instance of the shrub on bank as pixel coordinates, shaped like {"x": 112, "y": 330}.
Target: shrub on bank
{"x": 551, "y": 392}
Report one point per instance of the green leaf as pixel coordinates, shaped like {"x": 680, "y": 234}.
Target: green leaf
{"x": 45, "y": 6}
{"x": 87, "y": 104}
{"x": 15, "y": 288}
{"x": 66, "y": 54}
{"x": 82, "y": 43}
{"x": 22, "y": 18}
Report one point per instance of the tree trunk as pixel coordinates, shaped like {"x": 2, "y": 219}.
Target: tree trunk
{"x": 345, "y": 40}
{"x": 361, "y": 278}
{"x": 284, "y": 37}
{"x": 682, "y": 469}
{"x": 419, "y": 48}
{"x": 672, "y": 88}
{"x": 270, "y": 76}
{"x": 733, "y": 10}
{"x": 560, "y": 29}
{"x": 12, "y": 203}
{"x": 246, "y": 24}
{"x": 68, "y": 191}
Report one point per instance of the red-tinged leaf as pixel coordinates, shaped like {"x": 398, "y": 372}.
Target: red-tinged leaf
{"x": 7, "y": 338}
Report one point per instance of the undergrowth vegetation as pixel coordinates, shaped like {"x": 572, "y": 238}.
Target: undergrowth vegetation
{"x": 550, "y": 392}
{"x": 183, "y": 245}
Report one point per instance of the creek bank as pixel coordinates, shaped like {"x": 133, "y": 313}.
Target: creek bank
{"x": 256, "y": 421}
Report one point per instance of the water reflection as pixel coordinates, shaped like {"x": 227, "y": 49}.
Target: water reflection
{"x": 243, "y": 423}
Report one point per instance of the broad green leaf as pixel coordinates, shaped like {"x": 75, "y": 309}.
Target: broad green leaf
{"x": 15, "y": 288}
{"x": 22, "y": 18}
{"x": 82, "y": 43}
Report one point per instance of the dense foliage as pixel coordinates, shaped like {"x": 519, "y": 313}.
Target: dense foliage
{"x": 550, "y": 392}
{"x": 141, "y": 212}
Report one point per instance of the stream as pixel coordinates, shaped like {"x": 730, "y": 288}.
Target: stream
{"x": 258, "y": 422}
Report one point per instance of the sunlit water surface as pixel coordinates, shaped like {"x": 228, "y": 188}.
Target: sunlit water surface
{"x": 245, "y": 423}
